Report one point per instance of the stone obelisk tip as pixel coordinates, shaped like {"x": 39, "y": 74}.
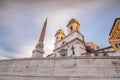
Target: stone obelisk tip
{"x": 42, "y": 36}
{"x": 39, "y": 51}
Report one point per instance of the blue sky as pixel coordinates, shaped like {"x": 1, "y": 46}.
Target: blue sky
{"x": 21, "y": 22}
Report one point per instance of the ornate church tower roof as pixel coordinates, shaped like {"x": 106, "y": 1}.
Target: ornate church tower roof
{"x": 59, "y": 35}
{"x": 73, "y": 21}
{"x": 60, "y": 31}
{"x": 73, "y": 25}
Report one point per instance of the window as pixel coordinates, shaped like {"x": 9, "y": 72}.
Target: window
{"x": 64, "y": 43}
{"x": 63, "y": 54}
{"x": 57, "y": 38}
{"x": 118, "y": 45}
{"x": 71, "y": 28}
{"x": 105, "y": 54}
{"x": 72, "y": 48}
{"x": 118, "y": 37}
{"x": 61, "y": 37}
{"x": 96, "y": 54}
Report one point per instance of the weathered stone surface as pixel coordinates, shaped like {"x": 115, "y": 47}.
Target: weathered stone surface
{"x": 66, "y": 68}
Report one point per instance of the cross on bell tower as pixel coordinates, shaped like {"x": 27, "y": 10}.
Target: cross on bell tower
{"x": 38, "y": 51}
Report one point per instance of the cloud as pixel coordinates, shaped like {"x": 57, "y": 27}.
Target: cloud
{"x": 21, "y": 22}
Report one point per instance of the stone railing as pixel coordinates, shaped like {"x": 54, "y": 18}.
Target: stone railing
{"x": 65, "y": 68}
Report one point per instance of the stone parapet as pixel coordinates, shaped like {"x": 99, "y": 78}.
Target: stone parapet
{"x": 64, "y": 68}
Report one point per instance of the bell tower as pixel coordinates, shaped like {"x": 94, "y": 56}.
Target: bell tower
{"x": 59, "y": 35}
{"x": 73, "y": 25}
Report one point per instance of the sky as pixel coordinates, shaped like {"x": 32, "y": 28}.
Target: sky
{"x": 21, "y": 23}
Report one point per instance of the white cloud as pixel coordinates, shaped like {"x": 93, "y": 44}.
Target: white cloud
{"x": 24, "y": 20}
{"x": 25, "y": 51}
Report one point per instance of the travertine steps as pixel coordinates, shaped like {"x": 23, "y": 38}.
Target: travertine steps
{"x": 66, "y": 68}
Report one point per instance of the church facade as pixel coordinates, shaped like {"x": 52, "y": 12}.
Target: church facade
{"x": 72, "y": 44}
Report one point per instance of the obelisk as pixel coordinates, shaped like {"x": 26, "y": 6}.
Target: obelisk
{"x": 38, "y": 51}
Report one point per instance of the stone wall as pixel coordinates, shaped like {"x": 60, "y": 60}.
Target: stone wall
{"x": 67, "y": 68}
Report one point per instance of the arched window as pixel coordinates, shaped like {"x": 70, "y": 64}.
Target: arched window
{"x": 64, "y": 43}
{"x": 96, "y": 54}
{"x": 105, "y": 54}
{"x": 71, "y": 28}
{"x": 57, "y": 37}
{"x": 61, "y": 37}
